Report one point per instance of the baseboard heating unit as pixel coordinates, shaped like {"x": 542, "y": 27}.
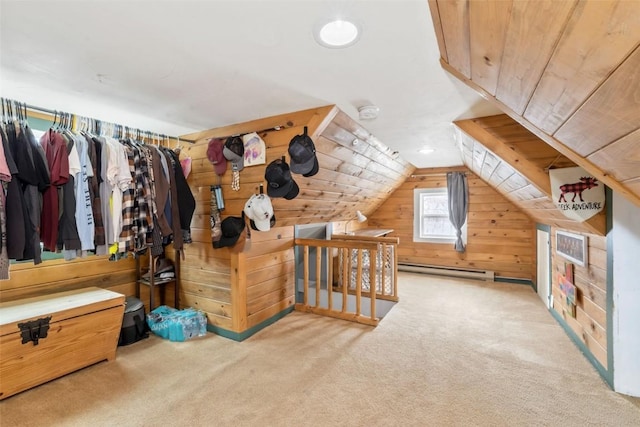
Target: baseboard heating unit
{"x": 448, "y": 271}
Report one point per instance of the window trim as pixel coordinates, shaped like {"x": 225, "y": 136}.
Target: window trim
{"x": 417, "y": 192}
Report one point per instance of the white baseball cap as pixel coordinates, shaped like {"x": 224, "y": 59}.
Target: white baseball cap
{"x": 259, "y": 210}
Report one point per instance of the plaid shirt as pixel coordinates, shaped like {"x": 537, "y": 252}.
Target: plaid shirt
{"x": 149, "y": 194}
{"x": 138, "y": 204}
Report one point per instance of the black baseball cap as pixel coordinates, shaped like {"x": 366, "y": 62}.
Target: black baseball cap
{"x": 232, "y": 227}
{"x": 302, "y": 152}
{"x": 279, "y": 180}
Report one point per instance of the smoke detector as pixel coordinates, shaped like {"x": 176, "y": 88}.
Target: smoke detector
{"x": 368, "y": 112}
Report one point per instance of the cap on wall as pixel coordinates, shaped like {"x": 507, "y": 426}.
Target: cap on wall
{"x": 260, "y": 211}
{"x": 302, "y": 153}
{"x": 232, "y": 227}
{"x": 279, "y": 180}
{"x": 216, "y": 157}
{"x": 234, "y": 152}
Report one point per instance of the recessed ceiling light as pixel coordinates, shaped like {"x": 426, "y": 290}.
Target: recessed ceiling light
{"x": 426, "y": 150}
{"x": 337, "y": 33}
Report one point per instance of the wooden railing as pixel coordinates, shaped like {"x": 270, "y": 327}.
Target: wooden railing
{"x": 362, "y": 264}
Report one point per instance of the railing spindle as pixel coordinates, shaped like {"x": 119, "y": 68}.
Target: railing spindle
{"x": 359, "y": 283}
{"x": 306, "y": 274}
{"x": 330, "y": 277}
{"x": 383, "y": 277}
{"x": 395, "y": 271}
{"x": 373, "y": 264}
{"x": 318, "y": 276}
{"x": 346, "y": 276}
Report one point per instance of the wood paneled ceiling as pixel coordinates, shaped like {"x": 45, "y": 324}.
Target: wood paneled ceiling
{"x": 516, "y": 163}
{"x": 568, "y": 71}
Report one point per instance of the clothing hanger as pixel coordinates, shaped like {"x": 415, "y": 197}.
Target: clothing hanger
{"x": 5, "y": 111}
{"x": 67, "y": 125}
{"x": 22, "y": 108}
{"x": 10, "y": 111}
{"x": 19, "y": 114}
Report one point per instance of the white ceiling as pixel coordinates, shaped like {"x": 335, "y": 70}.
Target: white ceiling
{"x": 176, "y": 67}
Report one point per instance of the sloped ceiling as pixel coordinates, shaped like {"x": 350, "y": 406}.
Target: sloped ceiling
{"x": 568, "y": 71}
{"x": 516, "y": 163}
{"x": 356, "y": 170}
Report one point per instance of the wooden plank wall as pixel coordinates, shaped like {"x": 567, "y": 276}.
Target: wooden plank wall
{"x": 270, "y": 274}
{"x": 205, "y": 280}
{"x": 352, "y": 176}
{"x": 29, "y": 280}
{"x": 239, "y": 291}
{"x": 500, "y": 236}
{"x": 229, "y": 287}
{"x": 590, "y": 323}
{"x": 568, "y": 71}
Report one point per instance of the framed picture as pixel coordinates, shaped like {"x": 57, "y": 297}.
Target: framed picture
{"x": 572, "y": 247}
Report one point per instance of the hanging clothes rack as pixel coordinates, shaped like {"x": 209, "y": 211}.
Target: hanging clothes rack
{"x": 125, "y": 129}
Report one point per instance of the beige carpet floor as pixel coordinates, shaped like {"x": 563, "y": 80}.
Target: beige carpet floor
{"x": 450, "y": 353}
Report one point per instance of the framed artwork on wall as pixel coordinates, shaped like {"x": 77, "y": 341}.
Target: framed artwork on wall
{"x": 572, "y": 247}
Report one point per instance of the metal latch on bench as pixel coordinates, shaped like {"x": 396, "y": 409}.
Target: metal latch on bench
{"x": 34, "y": 330}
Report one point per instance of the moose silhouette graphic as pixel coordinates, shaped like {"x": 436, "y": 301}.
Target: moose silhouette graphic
{"x": 586, "y": 183}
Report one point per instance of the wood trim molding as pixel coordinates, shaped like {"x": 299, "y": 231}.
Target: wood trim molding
{"x": 288, "y": 120}
{"x": 516, "y": 160}
{"x": 238, "y": 292}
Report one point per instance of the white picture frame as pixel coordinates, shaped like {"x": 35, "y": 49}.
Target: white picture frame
{"x": 573, "y": 247}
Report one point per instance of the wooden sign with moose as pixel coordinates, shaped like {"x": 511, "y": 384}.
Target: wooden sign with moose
{"x": 567, "y": 184}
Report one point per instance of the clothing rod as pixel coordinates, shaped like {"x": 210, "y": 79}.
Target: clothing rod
{"x": 54, "y": 113}
{"x": 42, "y": 110}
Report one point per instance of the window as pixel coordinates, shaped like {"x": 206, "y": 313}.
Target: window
{"x": 431, "y": 217}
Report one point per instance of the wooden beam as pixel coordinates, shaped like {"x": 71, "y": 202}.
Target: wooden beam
{"x": 536, "y": 175}
{"x": 454, "y": 18}
{"x": 352, "y": 317}
{"x": 298, "y": 118}
{"x": 531, "y": 172}
{"x": 239, "y": 292}
{"x": 437, "y": 26}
